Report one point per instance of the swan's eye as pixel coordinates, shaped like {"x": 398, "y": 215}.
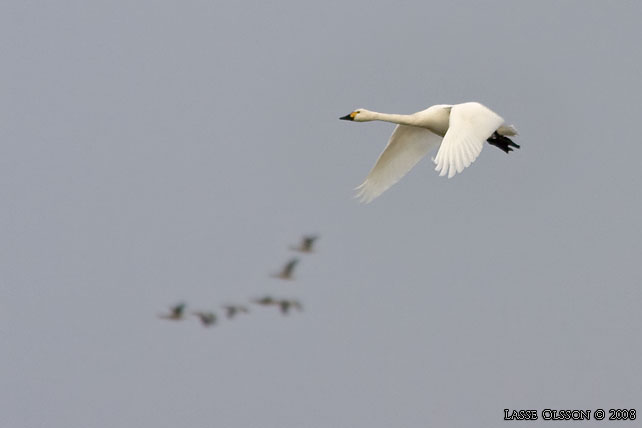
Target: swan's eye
{"x": 353, "y": 114}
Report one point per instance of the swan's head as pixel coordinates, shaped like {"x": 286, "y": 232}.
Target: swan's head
{"x": 359, "y": 115}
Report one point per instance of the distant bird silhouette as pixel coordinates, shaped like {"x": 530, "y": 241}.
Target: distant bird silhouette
{"x": 232, "y": 310}
{"x": 306, "y": 244}
{"x": 286, "y": 272}
{"x": 207, "y": 318}
{"x": 285, "y": 305}
{"x": 176, "y": 313}
{"x": 266, "y": 301}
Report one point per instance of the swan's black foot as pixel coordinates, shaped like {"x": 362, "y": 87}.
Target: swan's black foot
{"x": 504, "y": 143}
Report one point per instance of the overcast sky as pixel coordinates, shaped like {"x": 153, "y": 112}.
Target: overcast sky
{"x": 163, "y": 151}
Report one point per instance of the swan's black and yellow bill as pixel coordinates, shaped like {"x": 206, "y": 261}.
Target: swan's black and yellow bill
{"x": 349, "y": 116}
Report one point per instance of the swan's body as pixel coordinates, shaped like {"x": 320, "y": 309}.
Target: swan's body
{"x": 458, "y": 130}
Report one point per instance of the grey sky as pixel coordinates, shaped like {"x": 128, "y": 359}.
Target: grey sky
{"x": 164, "y": 151}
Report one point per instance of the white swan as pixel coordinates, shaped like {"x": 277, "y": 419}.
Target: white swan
{"x": 459, "y": 130}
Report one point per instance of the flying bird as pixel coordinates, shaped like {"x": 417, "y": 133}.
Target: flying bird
{"x": 207, "y": 318}
{"x": 306, "y": 244}
{"x": 176, "y": 313}
{"x": 286, "y": 272}
{"x": 232, "y": 310}
{"x": 266, "y": 301}
{"x": 458, "y": 131}
{"x": 285, "y": 305}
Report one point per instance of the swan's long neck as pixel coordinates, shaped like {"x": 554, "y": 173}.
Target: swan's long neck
{"x": 401, "y": 119}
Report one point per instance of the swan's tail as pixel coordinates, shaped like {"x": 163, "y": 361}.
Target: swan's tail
{"x": 507, "y": 130}
{"x": 498, "y": 139}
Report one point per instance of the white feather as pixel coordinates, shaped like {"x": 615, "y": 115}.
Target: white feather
{"x": 407, "y": 146}
{"x": 470, "y": 126}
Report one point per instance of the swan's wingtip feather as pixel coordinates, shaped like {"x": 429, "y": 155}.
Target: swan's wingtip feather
{"x": 362, "y": 192}
{"x": 366, "y": 193}
{"x": 364, "y": 198}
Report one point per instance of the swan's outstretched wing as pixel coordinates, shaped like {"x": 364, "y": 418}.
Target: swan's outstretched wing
{"x": 470, "y": 125}
{"x": 407, "y": 146}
